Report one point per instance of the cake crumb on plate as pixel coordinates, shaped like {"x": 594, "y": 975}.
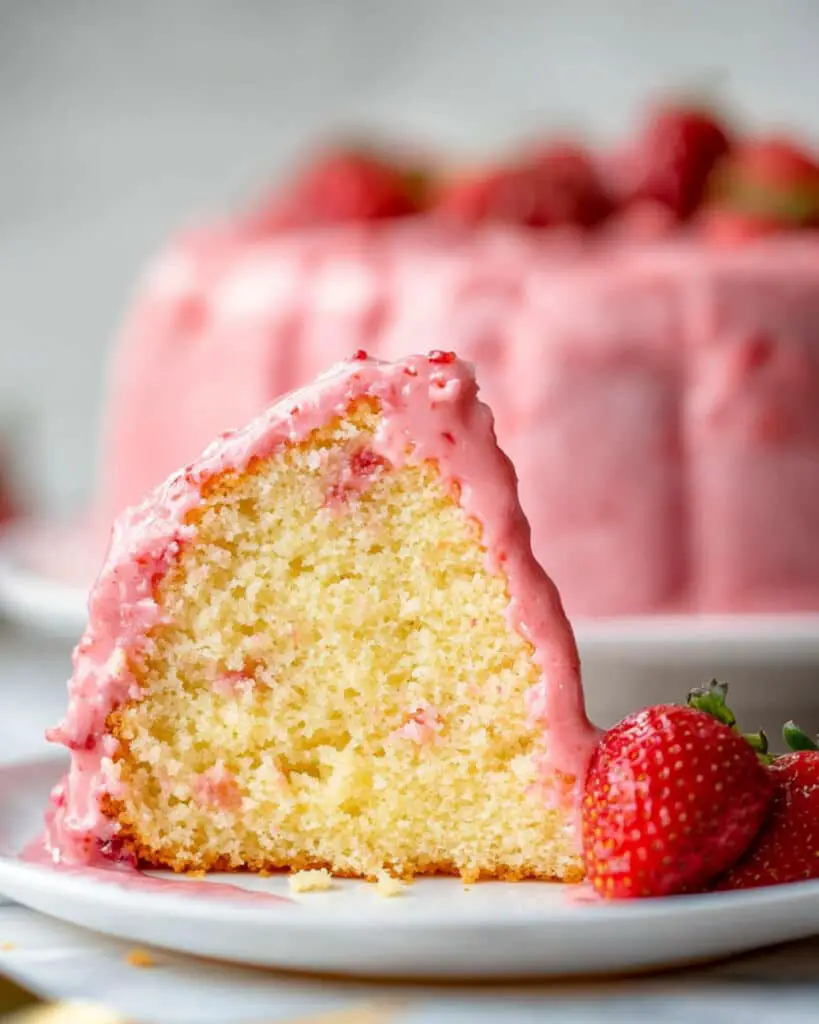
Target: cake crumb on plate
{"x": 311, "y": 881}
{"x": 386, "y": 885}
{"x": 140, "y": 958}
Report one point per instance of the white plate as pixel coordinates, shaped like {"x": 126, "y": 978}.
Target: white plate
{"x": 435, "y": 929}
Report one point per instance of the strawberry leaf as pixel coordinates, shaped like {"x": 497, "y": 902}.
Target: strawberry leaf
{"x": 796, "y": 739}
{"x": 711, "y": 700}
{"x": 797, "y": 204}
{"x": 759, "y": 741}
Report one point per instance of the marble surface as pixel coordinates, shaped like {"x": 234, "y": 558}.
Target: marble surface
{"x": 59, "y": 961}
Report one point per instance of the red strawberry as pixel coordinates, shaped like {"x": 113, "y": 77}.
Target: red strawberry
{"x": 787, "y": 848}
{"x": 770, "y": 179}
{"x": 723, "y": 226}
{"x": 569, "y": 186}
{"x": 672, "y": 159}
{"x": 557, "y": 185}
{"x": 673, "y": 797}
{"x": 347, "y": 185}
{"x": 473, "y": 198}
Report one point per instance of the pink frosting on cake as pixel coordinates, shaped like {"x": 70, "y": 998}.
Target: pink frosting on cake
{"x": 429, "y": 412}
{"x": 613, "y": 366}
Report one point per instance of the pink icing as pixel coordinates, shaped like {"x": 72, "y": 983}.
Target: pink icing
{"x": 710, "y": 510}
{"x": 127, "y": 876}
{"x": 354, "y": 477}
{"x": 582, "y": 895}
{"x": 429, "y": 411}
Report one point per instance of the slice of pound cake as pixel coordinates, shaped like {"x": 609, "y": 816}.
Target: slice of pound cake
{"x": 327, "y": 644}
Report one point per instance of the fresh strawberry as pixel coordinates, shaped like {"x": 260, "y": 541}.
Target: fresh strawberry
{"x": 672, "y": 158}
{"x": 772, "y": 180}
{"x": 347, "y": 185}
{"x": 477, "y": 196}
{"x": 556, "y": 185}
{"x": 570, "y": 188}
{"x": 673, "y": 796}
{"x": 722, "y": 226}
{"x": 787, "y": 848}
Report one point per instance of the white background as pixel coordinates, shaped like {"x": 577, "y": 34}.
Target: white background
{"x": 119, "y": 119}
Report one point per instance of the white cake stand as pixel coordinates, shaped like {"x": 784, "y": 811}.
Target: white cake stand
{"x": 46, "y": 571}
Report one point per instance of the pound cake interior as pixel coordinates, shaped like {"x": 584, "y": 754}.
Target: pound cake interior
{"x": 333, "y": 678}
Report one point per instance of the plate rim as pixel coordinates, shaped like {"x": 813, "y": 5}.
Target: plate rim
{"x": 685, "y": 905}
{"x": 372, "y": 938}
{"x": 306, "y": 914}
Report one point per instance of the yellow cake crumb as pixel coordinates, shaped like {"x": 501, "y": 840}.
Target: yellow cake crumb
{"x": 311, "y": 881}
{"x": 140, "y": 958}
{"x": 335, "y": 685}
{"x": 388, "y": 886}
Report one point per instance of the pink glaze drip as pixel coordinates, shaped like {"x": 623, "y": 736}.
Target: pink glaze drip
{"x": 582, "y": 895}
{"x": 126, "y": 876}
{"x": 429, "y": 411}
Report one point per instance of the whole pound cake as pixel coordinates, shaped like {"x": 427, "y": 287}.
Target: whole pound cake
{"x": 660, "y": 402}
{"x": 648, "y": 340}
{"x": 326, "y": 643}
